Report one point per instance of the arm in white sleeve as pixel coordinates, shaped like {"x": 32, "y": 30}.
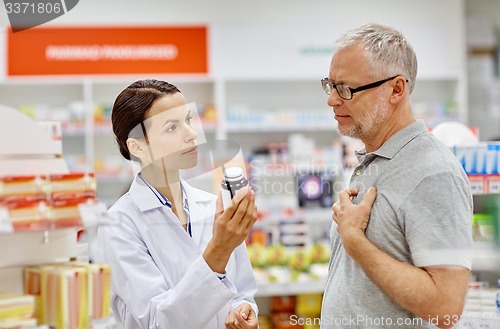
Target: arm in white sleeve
{"x": 244, "y": 280}
{"x": 150, "y": 298}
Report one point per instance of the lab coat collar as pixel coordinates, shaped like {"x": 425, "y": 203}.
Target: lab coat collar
{"x": 146, "y": 199}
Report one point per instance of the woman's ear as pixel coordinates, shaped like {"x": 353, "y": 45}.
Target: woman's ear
{"x": 136, "y": 148}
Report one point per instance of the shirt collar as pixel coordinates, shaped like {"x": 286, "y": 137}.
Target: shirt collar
{"x": 397, "y": 141}
{"x": 161, "y": 198}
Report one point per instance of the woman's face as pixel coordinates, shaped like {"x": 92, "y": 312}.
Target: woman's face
{"x": 170, "y": 134}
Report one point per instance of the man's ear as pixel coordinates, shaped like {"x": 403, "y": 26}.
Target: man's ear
{"x": 399, "y": 89}
{"x": 136, "y": 148}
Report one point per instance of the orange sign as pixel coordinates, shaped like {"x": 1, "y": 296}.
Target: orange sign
{"x": 107, "y": 50}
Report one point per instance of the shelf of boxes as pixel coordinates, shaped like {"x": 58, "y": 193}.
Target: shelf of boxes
{"x": 42, "y": 207}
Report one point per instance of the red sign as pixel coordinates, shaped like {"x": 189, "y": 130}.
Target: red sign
{"x": 107, "y": 50}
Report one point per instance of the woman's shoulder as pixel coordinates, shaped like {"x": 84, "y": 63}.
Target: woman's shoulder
{"x": 196, "y": 194}
{"x": 125, "y": 206}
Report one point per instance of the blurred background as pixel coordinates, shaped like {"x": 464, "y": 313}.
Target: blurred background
{"x": 253, "y": 71}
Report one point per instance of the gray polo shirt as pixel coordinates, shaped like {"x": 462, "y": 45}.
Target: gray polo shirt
{"x": 421, "y": 216}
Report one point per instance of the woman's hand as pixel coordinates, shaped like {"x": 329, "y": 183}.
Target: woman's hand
{"x": 231, "y": 228}
{"x": 242, "y": 317}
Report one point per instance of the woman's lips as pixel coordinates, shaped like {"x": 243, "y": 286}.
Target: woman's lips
{"x": 191, "y": 150}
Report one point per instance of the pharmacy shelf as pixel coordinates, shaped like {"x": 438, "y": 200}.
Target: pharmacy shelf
{"x": 37, "y": 247}
{"x": 300, "y": 98}
{"x": 478, "y": 321}
{"x": 281, "y": 127}
{"x": 290, "y": 288}
{"x": 486, "y": 257}
{"x": 320, "y": 216}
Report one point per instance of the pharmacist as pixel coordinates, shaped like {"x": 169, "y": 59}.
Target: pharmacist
{"x": 176, "y": 262}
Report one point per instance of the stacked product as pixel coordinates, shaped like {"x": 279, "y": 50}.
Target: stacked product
{"x": 44, "y": 202}
{"x": 480, "y": 299}
{"x": 279, "y": 264}
{"x": 68, "y": 295}
{"x": 283, "y": 312}
{"x": 17, "y": 311}
{"x": 482, "y": 163}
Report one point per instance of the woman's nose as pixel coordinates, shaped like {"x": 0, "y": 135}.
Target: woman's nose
{"x": 191, "y": 133}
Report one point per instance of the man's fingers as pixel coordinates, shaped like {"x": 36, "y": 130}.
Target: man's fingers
{"x": 345, "y": 196}
{"x": 370, "y": 197}
{"x": 335, "y": 210}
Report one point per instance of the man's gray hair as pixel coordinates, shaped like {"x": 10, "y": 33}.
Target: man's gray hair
{"x": 386, "y": 49}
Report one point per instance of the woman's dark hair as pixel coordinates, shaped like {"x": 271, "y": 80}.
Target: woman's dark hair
{"x": 131, "y": 105}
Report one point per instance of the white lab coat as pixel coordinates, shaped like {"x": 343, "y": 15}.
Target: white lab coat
{"x": 159, "y": 277}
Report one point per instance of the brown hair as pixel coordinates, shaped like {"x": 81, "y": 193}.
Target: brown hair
{"x": 131, "y": 106}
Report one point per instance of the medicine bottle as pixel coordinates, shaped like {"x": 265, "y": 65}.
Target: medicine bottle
{"x": 232, "y": 182}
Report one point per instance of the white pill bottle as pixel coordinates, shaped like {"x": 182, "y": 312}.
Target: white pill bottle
{"x": 232, "y": 182}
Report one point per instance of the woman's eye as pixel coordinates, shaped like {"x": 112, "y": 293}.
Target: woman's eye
{"x": 188, "y": 120}
{"x": 171, "y": 128}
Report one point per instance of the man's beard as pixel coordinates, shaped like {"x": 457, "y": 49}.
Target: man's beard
{"x": 368, "y": 124}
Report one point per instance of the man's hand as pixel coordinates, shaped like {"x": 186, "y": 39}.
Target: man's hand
{"x": 352, "y": 219}
{"x": 242, "y": 317}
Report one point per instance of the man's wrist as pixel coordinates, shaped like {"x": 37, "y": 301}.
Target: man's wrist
{"x": 352, "y": 240}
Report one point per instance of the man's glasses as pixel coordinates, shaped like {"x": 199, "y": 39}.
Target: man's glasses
{"x": 346, "y": 92}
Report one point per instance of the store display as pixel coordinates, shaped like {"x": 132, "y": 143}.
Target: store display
{"x": 281, "y": 264}
{"x": 47, "y": 204}
{"x": 69, "y": 295}
{"x": 315, "y": 190}
{"x": 480, "y": 299}
{"x": 17, "y": 310}
{"x": 39, "y": 202}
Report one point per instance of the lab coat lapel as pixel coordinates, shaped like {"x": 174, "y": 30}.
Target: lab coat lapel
{"x": 201, "y": 212}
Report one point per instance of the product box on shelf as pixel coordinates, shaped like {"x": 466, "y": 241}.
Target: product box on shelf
{"x": 40, "y": 202}
{"x": 27, "y": 214}
{"x": 481, "y": 162}
{"x": 71, "y": 183}
{"x": 15, "y": 186}
{"x": 17, "y": 310}
{"x": 66, "y": 212}
{"x": 68, "y": 295}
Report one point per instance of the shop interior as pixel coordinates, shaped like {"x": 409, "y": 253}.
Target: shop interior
{"x": 257, "y": 98}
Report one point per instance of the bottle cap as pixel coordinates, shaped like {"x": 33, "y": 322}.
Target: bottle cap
{"x": 233, "y": 172}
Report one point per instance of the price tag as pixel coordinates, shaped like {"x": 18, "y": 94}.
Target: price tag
{"x": 476, "y": 184}
{"x": 494, "y": 184}
{"x": 5, "y": 223}
{"x": 94, "y": 214}
{"x": 476, "y": 187}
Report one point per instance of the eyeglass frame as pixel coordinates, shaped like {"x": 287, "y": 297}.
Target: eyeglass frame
{"x": 325, "y": 82}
